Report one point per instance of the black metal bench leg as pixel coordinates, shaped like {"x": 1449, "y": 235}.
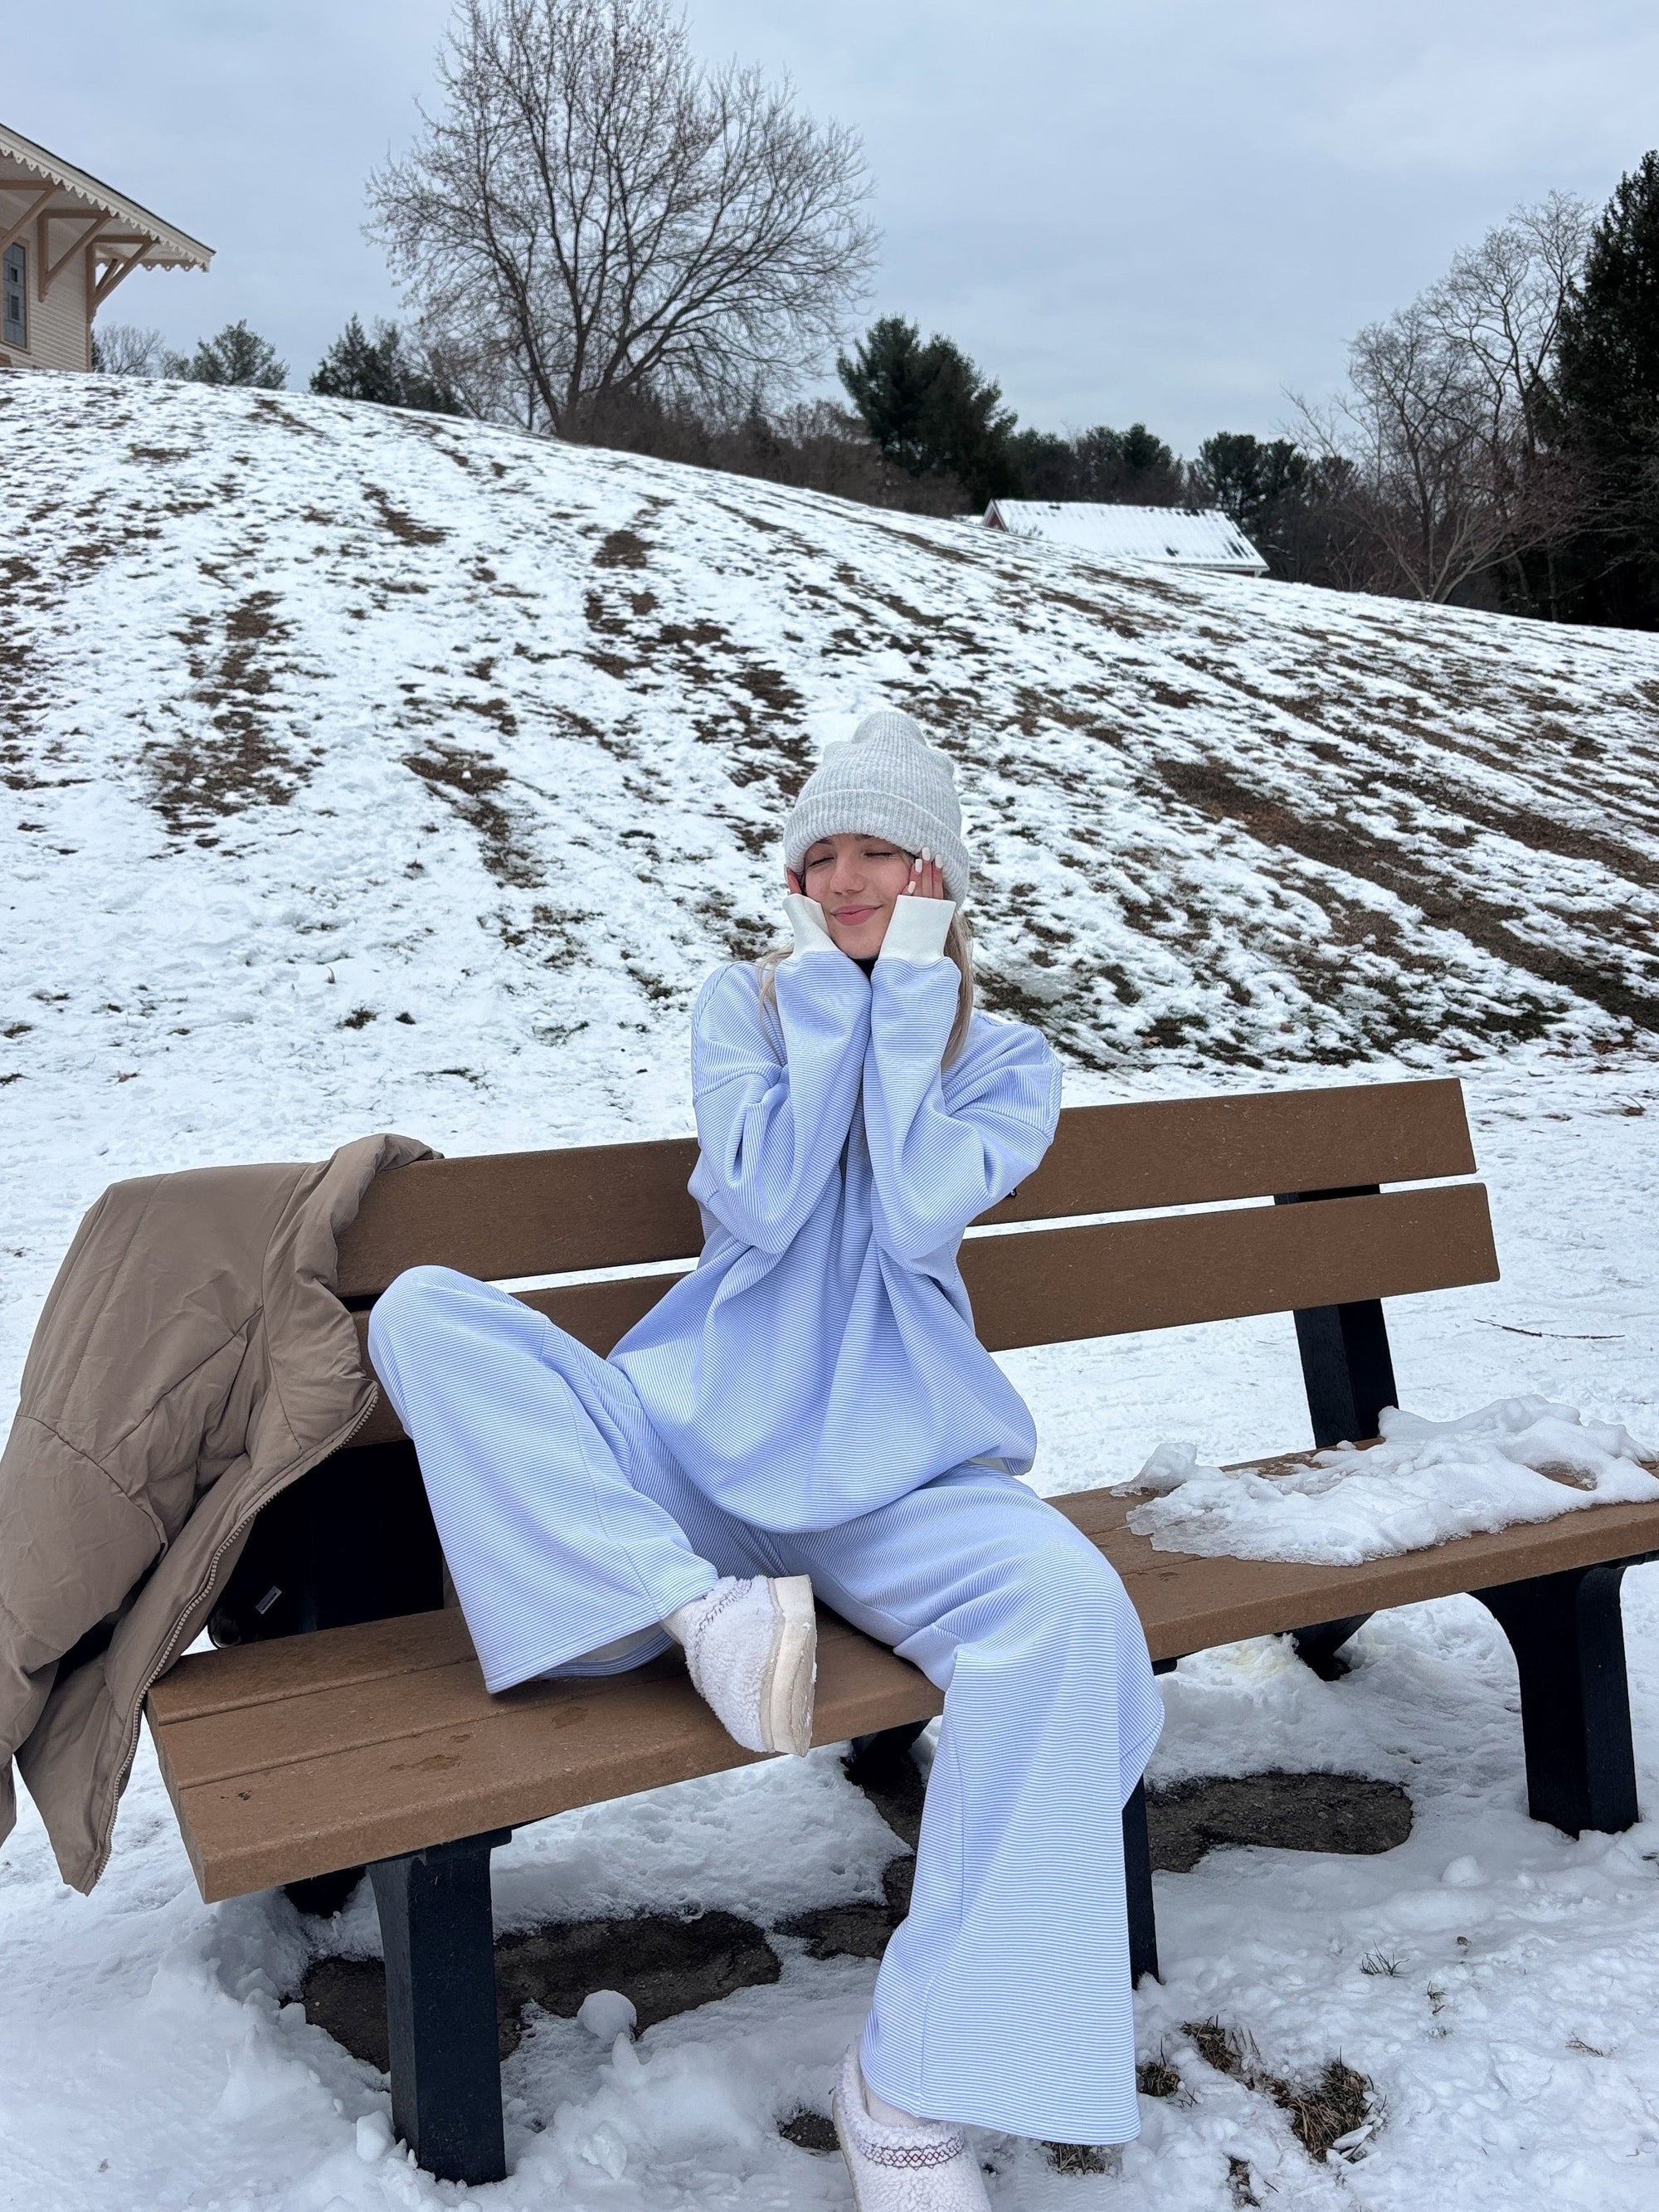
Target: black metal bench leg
{"x": 439, "y": 1940}
{"x": 1321, "y": 1646}
{"x": 1347, "y": 1371}
{"x": 1138, "y": 1889}
{"x": 871, "y": 1757}
{"x": 1568, "y": 1638}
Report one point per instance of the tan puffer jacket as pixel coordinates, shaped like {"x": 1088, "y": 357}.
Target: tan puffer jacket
{"x": 191, "y": 1360}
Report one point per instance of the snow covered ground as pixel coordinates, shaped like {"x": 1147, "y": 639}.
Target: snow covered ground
{"x": 317, "y": 717}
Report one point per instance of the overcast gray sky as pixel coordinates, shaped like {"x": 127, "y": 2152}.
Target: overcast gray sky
{"x": 1163, "y": 209}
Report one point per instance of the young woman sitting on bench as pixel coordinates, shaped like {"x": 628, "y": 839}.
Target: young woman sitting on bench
{"x": 810, "y": 1410}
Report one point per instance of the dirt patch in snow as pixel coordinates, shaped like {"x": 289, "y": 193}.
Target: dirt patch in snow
{"x": 468, "y": 782}
{"x": 1347, "y": 1812}
{"x": 623, "y": 549}
{"x": 402, "y": 526}
{"x": 241, "y": 758}
{"x": 1336, "y": 842}
{"x": 664, "y": 1965}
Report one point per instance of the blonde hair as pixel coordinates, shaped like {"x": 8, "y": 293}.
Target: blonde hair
{"x": 958, "y": 946}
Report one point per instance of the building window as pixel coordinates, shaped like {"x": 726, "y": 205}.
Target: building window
{"x": 14, "y": 286}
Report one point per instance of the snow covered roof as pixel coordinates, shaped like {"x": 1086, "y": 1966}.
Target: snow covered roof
{"x": 1202, "y": 538}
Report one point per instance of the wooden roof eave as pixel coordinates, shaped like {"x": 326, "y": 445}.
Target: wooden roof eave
{"x": 45, "y": 181}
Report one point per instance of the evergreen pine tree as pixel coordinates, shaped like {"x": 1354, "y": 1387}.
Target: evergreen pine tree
{"x": 1144, "y": 456}
{"x": 1259, "y": 484}
{"x": 930, "y": 410}
{"x": 380, "y": 369}
{"x": 1047, "y": 464}
{"x": 886, "y": 380}
{"x": 237, "y": 356}
{"x": 1607, "y": 391}
{"x": 1130, "y": 466}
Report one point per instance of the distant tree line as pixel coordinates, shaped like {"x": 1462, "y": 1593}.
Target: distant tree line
{"x": 604, "y": 241}
{"x": 237, "y": 356}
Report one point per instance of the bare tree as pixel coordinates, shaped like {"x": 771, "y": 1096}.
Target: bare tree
{"x": 1445, "y": 424}
{"x": 1500, "y": 305}
{"x": 591, "y": 212}
{"x": 126, "y": 350}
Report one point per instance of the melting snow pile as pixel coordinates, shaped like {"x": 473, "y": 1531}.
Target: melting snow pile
{"x": 1516, "y": 1460}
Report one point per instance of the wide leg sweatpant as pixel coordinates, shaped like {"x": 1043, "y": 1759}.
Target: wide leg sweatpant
{"x": 1004, "y": 1998}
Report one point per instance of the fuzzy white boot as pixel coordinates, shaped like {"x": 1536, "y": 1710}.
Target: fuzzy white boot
{"x": 752, "y": 1650}
{"x": 924, "y": 2168}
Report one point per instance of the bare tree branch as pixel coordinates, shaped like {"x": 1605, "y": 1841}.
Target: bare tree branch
{"x": 588, "y": 212}
{"x": 1443, "y": 432}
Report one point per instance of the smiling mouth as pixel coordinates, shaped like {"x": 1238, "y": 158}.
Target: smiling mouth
{"x": 850, "y": 916}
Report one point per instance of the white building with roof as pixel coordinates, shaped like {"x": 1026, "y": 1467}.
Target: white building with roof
{"x": 66, "y": 241}
{"x": 1178, "y": 537}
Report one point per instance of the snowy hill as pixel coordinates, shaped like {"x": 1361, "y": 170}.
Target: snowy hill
{"x": 370, "y": 769}
{"x": 376, "y": 770}
{"x": 303, "y": 675}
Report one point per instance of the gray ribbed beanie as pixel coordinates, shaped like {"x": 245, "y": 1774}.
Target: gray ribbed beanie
{"x": 885, "y": 781}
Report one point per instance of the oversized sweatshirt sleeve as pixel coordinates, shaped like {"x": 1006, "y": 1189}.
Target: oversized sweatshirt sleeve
{"x": 774, "y": 1103}
{"x": 944, "y": 1147}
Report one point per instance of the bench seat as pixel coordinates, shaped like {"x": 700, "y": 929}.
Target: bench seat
{"x": 347, "y": 1725}
{"x": 288, "y": 1760}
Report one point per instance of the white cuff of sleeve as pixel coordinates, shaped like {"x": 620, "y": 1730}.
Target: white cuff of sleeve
{"x": 807, "y": 920}
{"x": 918, "y": 929}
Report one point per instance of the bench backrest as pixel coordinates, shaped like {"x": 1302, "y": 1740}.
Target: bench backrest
{"x": 507, "y": 1216}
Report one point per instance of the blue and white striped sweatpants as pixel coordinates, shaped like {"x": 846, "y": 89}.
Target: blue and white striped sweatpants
{"x": 1004, "y": 1999}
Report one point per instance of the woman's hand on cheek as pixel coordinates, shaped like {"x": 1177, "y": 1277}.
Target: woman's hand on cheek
{"x": 927, "y": 878}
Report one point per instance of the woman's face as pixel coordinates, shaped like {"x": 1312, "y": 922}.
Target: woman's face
{"x": 857, "y": 881}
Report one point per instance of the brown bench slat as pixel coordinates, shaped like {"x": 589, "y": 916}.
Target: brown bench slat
{"x": 538, "y": 1750}
{"x": 1189, "y": 1604}
{"x": 342, "y": 1776}
{"x": 1202, "y": 1151}
{"x": 447, "y": 1692}
{"x": 510, "y": 1214}
{"x": 506, "y": 1214}
{"x": 1116, "y": 1278}
{"x": 245, "y": 1675}
{"x": 1051, "y": 1286}
{"x": 343, "y": 1716}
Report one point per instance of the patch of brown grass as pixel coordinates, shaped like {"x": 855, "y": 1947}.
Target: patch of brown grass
{"x": 402, "y": 526}
{"x": 1077, "y": 2158}
{"x": 1156, "y": 2077}
{"x": 1320, "y": 2113}
{"x": 623, "y": 549}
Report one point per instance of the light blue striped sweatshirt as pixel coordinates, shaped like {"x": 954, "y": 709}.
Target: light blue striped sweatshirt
{"x": 820, "y": 1360}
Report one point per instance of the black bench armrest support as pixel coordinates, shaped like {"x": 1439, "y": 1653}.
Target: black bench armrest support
{"x": 1568, "y": 1636}
{"x": 438, "y": 1934}
{"x": 1347, "y": 1371}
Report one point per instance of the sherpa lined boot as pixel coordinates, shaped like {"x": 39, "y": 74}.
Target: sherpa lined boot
{"x": 752, "y": 1649}
{"x": 925, "y": 2168}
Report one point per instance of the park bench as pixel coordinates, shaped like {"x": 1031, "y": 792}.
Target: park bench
{"x": 370, "y": 1740}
